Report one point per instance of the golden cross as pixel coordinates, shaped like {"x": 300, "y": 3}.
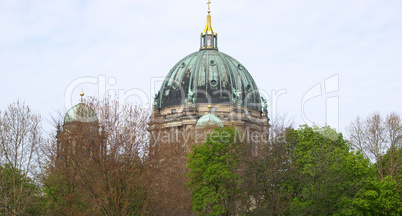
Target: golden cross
{"x": 209, "y": 6}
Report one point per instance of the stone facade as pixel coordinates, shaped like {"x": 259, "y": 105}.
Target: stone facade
{"x": 177, "y": 124}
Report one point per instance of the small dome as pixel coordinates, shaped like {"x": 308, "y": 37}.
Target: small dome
{"x": 208, "y": 120}
{"x": 80, "y": 113}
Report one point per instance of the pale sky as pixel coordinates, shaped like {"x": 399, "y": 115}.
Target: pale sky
{"x": 47, "y": 48}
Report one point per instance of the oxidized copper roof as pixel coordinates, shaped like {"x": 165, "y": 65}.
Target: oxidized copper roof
{"x": 209, "y": 120}
{"x": 208, "y": 76}
{"x": 80, "y": 113}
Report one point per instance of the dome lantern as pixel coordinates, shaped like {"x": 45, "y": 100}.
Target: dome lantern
{"x": 209, "y": 38}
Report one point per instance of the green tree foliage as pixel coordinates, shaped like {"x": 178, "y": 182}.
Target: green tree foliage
{"x": 14, "y": 182}
{"x": 379, "y": 196}
{"x": 327, "y": 172}
{"x": 311, "y": 171}
{"x": 214, "y": 178}
{"x": 376, "y": 198}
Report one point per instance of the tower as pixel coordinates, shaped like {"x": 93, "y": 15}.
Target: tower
{"x": 79, "y": 135}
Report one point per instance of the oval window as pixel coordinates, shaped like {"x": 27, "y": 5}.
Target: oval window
{"x": 212, "y": 62}
{"x": 213, "y": 82}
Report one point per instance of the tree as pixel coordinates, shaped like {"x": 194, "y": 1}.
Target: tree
{"x": 214, "y": 173}
{"x": 392, "y": 160}
{"x": 101, "y": 167}
{"x": 378, "y": 139}
{"x": 268, "y": 177}
{"x": 392, "y": 164}
{"x": 328, "y": 174}
{"x": 20, "y": 135}
{"x": 169, "y": 163}
{"x": 376, "y": 198}
{"x": 374, "y": 137}
{"x": 278, "y": 125}
{"x": 28, "y": 192}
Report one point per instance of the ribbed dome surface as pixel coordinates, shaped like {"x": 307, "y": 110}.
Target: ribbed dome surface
{"x": 209, "y": 120}
{"x": 80, "y": 113}
{"x": 208, "y": 76}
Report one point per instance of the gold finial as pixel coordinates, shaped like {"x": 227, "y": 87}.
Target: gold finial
{"x": 82, "y": 95}
{"x": 208, "y": 29}
{"x": 209, "y": 36}
{"x": 209, "y": 108}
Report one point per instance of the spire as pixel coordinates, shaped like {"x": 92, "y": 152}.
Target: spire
{"x": 208, "y": 29}
{"x": 209, "y": 38}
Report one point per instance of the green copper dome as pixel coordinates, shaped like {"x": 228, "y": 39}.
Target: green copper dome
{"x": 209, "y": 120}
{"x": 208, "y": 76}
{"x": 80, "y": 113}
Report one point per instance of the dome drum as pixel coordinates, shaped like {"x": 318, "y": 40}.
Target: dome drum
{"x": 180, "y": 115}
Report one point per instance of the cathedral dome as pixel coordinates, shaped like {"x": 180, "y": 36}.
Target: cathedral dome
{"x": 209, "y": 120}
{"x": 80, "y": 113}
{"x": 213, "y": 79}
{"x": 208, "y": 76}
